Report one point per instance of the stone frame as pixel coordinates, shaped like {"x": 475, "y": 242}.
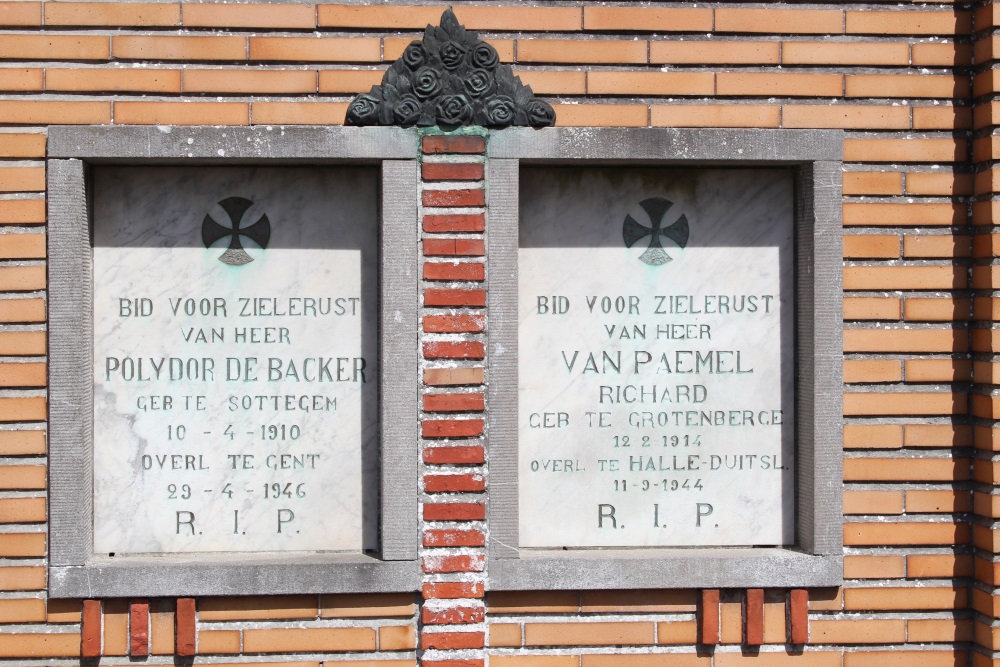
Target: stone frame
{"x": 817, "y": 558}
{"x": 74, "y": 570}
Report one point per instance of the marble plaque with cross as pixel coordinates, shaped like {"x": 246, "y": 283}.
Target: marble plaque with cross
{"x": 235, "y": 361}
{"x": 656, "y": 357}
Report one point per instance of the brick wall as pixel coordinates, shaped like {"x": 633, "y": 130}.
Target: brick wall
{"x": 912, "y": 84}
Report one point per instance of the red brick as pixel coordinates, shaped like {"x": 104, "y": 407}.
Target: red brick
{"x": 452, "y": 640}
{"x": 451, "y": 428}
{"x": 443, "y": 198}
{"x": 454, "y": 483}
{"x": 454, "y": 402}
{"x": 185, "y": 620}
{"x": 453, "y": 538}
{"x": 453, "y": 615}
{"x": 451, "y": 171}
{"x": 90, "y": 629}
{"x": 138, "y": 625}
{"x": 798, "y": 611}
{"x": 454, "y": 323}
{"x": 443, "y": 564}
{"x": 459, "y": 350}
{"x": 461, "y": 222}
{"x": 454, "y": 271}
{"x": 708, "y": 616}
{"x": 754, "y": 617}
{"x": 453, "y": 590}
{"x": 453, "y": 144}
{"x": 454, "y": 511}
{"x": 454, "y": 455}
{"x": 454, "y": 247}
{"x": 455, "y": 297}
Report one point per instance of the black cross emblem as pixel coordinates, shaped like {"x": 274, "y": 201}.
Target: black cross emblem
{"x": 677, "y": 232}
{"x": 258, "y": 231}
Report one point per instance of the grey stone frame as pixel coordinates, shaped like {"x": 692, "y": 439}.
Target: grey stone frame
{"x": 817, "y": 557}
{"x": 74, "y": 570}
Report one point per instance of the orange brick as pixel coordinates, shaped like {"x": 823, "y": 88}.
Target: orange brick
{"x": 397, "y": 638}
{"x": 873, "y": 183}
{"x": 504, "y": 634}
{"x": 115, "y": 628}
{"x": 581, "y": 51}
{"x": 106, "y": 79}
{"x": 905, "y": 150}
{"x": 256, "y": 82}
{"x": 30, "y": 610}
{"x": 936, "y": 435}
{"x": 904, "y": 277}
{"x": 937, "y": 502}
{"x": 554, "y": 83}
{"x": 395, "y": 17}
{"x": 904, "y": 340}
{"x": 935, "y": 309}
{"x": 872, "y": 370}
{"x": 349, "y": 81}
{"x": 906, "y": 85}
{"x": 677, "y": 632}
{"x": 779, "y": 21}
{"x": 873, "y": 436}
{"x": 873, "y": 502}
{"x": 38, "y": 112}
{"x": 181, "y": 47}
{"x": 220, "y": 15}
{"x": 22, "y": 278}
{"x": 905, "y": 470}
{"x": 588, "y": 634}
{"x": 22, "y": 375}
{"x": 22, "y": 343}
{"x": 925, "y": 183}
{"x": 601, "y": 115}
{"x": 877, "y": 246}
{"x": 633, "y": 660}
{"x": 182, "y": 113}
{"x": 218, "y": 641}
{"x": 646, "y": 601}
{"x": 942, "y": 118}
{"x": 34, "y": 645}
{"x": 64, "y": 611}
{"x": 942, "y": 55}
{"x": 845, "y": 116}
{"x": 54, "y": 47}
{"x": 112, "y": 14}
{"x": 382, "y": 605}
{"x": 20, "y": 79}
{"x": 650, "y": 83}
{"x": 714, "y": 115}
{"x": 844, "y": 53}
{"x": 813, "y": 658}
{"x": 871, "y": 308}
{"x": 867, "y": 631}
{"x": 299, "y": 113}
{"x": 902, "y": 534}
{"x": 716, "y": 52}
{"x": 535, "y": 661}
{"x": 22, "y": 477}
{"x": 283, "y": 640}
{"x": 22, "y": 145}
{"x": 22, "y": 545}
{"x": 533, "y": 602}
{"x": 730, "y": 621}
{"x": 885, "y": 599}
{"x": 20, "y": 13}
{"x": 22, "y": 409}
{"x": 914, "y": 403}
{"x": 826, "y": 599}
{"x": 874, "y": 567}
{"x": 647, "y": 19}
{"x": 21, "y": 179}
{"x": 315, "y": 49}
{"x": 22, "y": 443}
{"x": 933, "y": 566}
{"x": 161, "y": 625}
{"x": 903, "y": 22}
{"x": 473, "y": 17}
{"x": 767, "y": 84}
{"x": 903, "y": 214}
{"x": 950, "y": 630}
{"x": 17, "y": 245}
{"x": 938, "y": 370}
{"x": 440, "y": 377}
{"x": 258, "y": 609}
{"x": 22, "y": 578}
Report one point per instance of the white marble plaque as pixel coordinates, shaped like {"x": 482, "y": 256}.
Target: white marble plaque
{"x": 235, "y": 385}
{"x": 655, "y": 357}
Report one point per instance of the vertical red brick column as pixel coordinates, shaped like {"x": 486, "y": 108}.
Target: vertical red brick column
{"x": 453, "y": 557}
{"x": 985, "y": 404}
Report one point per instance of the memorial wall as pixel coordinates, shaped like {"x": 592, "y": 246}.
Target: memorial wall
{"x": 524, "y": 335}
